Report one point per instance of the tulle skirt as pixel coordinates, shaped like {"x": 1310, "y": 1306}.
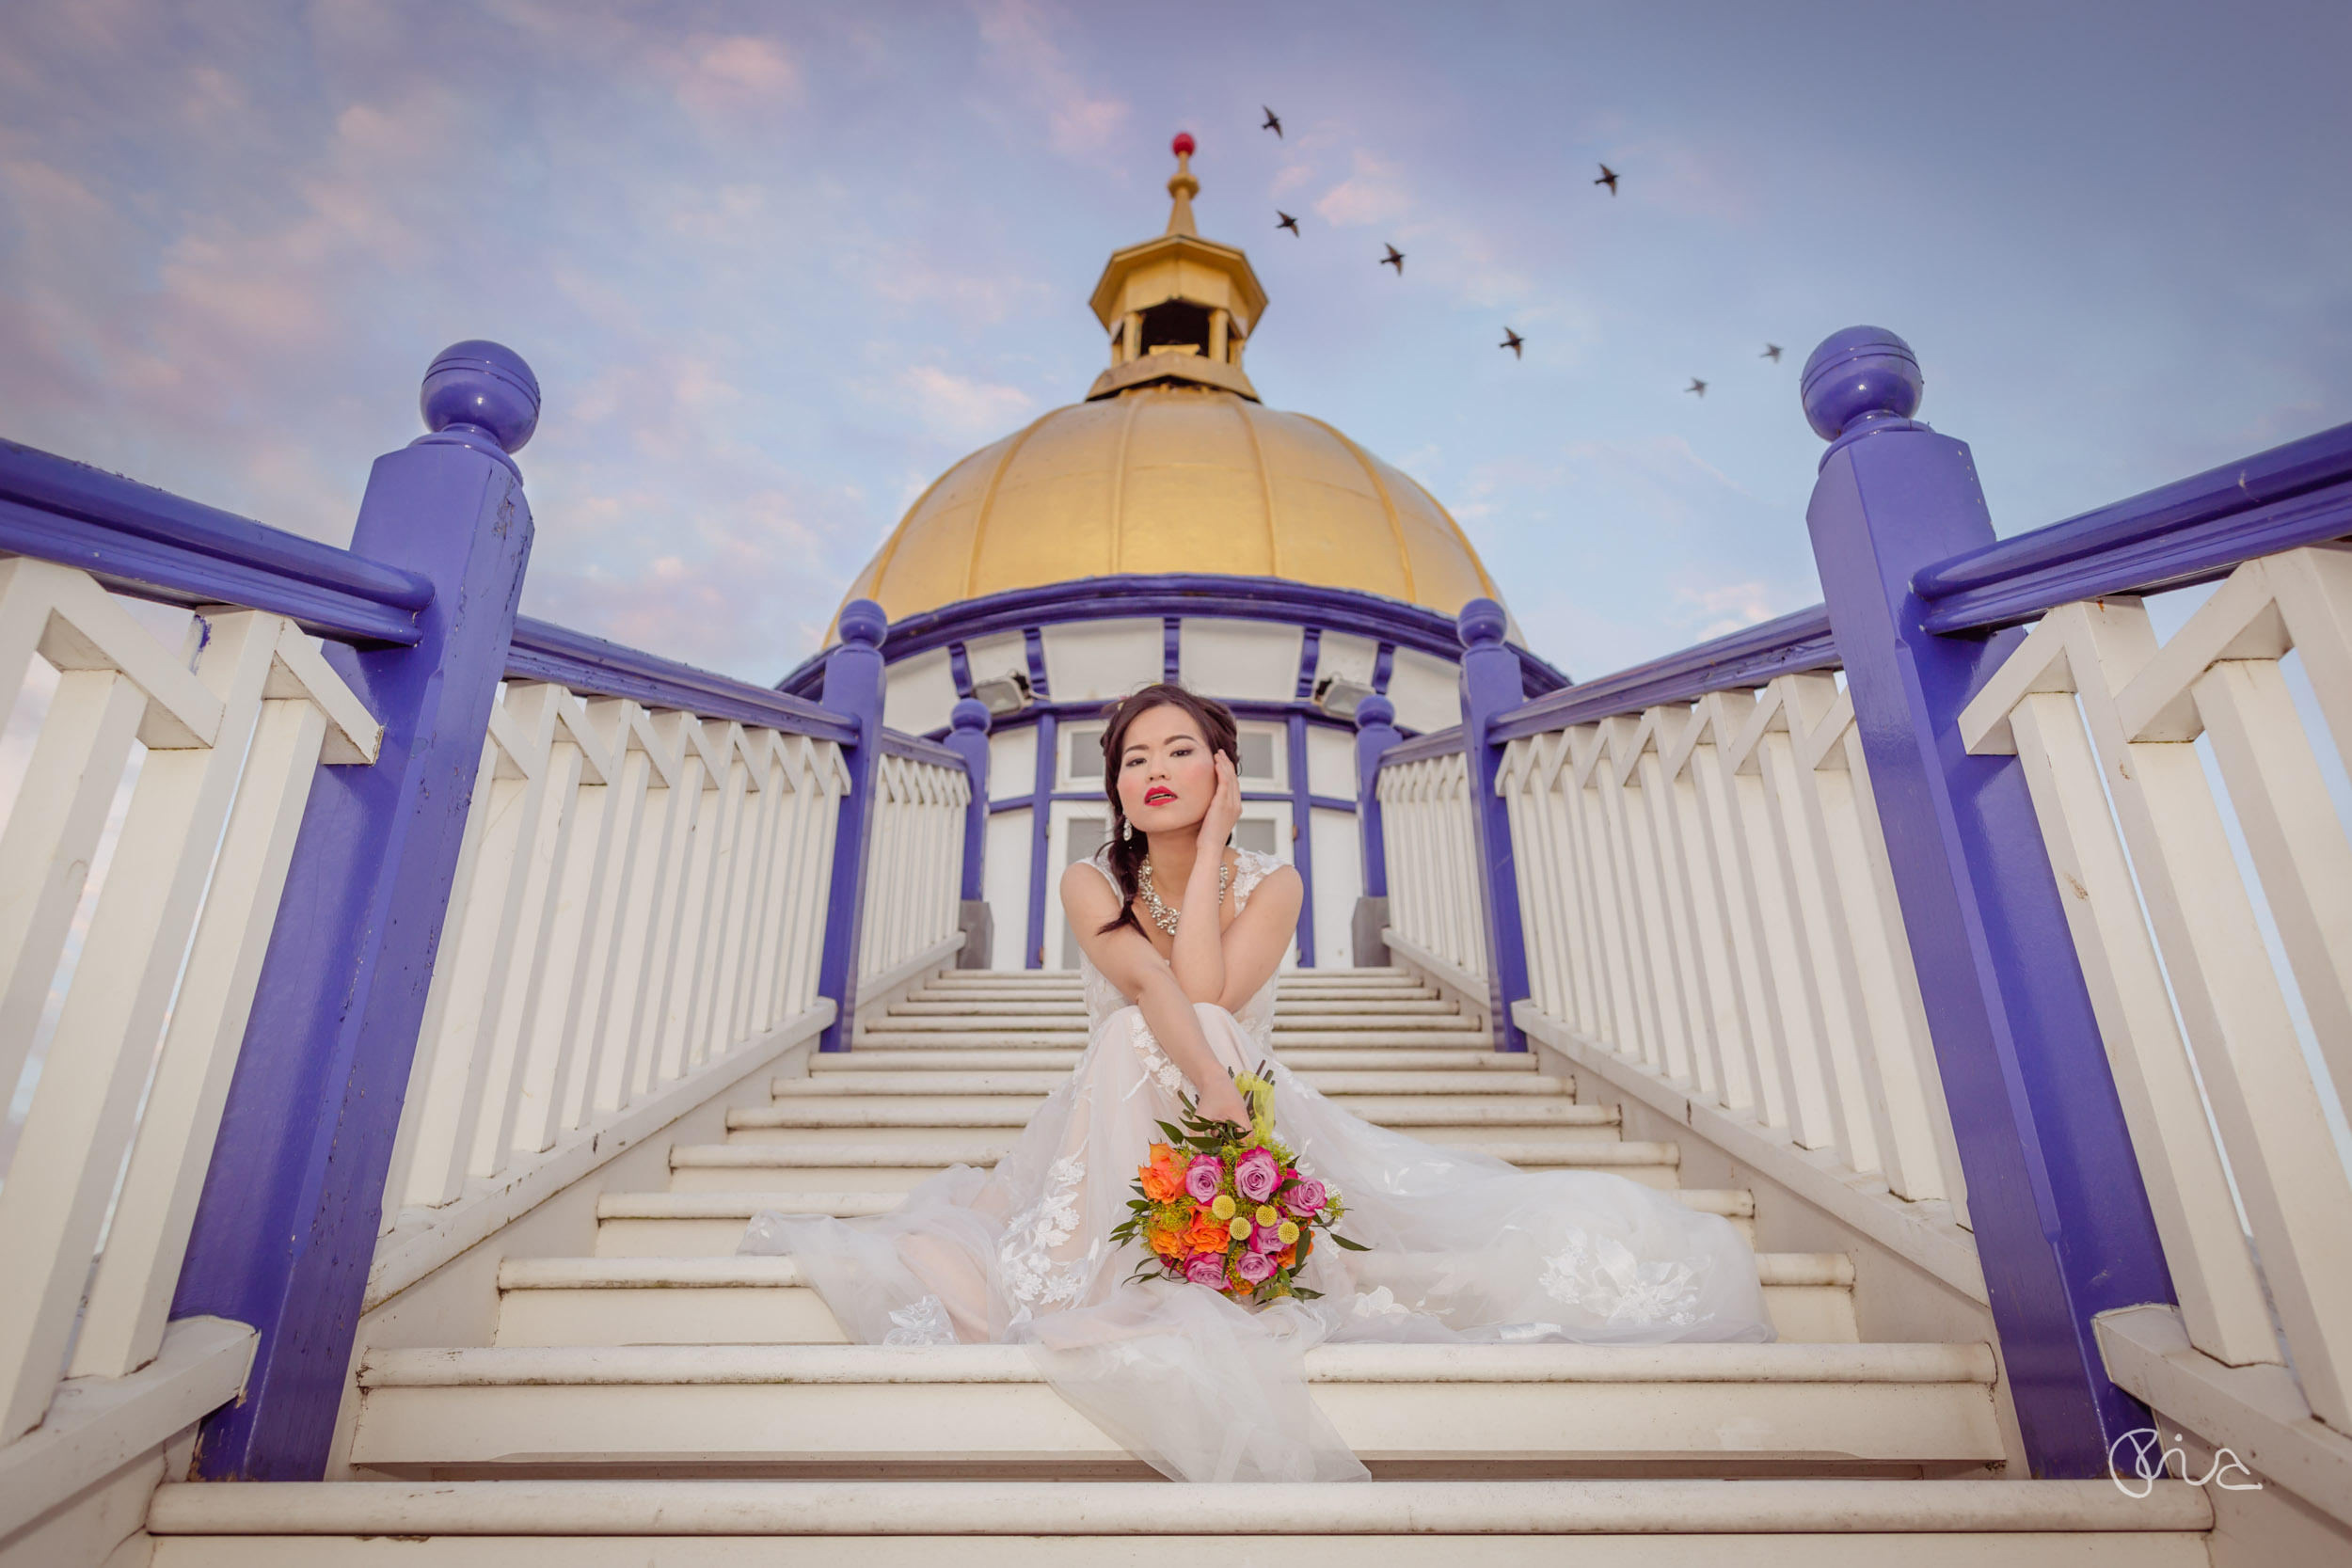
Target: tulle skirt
{"x": 1464, "y": 1249}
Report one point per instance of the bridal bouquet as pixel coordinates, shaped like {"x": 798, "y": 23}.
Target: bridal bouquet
{"x": 1228, "y": 1208}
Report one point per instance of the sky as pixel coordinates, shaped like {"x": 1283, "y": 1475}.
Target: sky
{"x": 776, "y": 266}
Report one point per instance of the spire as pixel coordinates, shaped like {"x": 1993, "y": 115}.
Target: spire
{"x": 1182, "y": 186}
{"x": 1177, "y": 306}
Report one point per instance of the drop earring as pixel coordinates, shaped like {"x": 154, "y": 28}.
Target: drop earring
{"x": 1126, "y": 830}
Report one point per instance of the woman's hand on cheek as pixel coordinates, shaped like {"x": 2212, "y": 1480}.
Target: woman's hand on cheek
{"x": 1224, "y": 812}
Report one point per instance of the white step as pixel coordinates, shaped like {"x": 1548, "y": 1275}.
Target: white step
{"x": 748, "y": 1301}
{"x": 1813, "y": 1522}
{"x": 1314, "y": 1004}
{"x": 1307, "y": 1060}
{"x": 902, "y": 1161}
{"x": 1548, "y": 1410}
{"x": 832, "y": 1084}
{"x": 1444, "y": 1114}
{"x": 1285, "y": 1040}
{"x": 711, "y": 1224}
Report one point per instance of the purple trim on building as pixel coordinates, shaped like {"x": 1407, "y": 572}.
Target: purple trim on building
{"x": 2061, "y": 1218}
{"x": 1384, "y": 666}
{"x": 543, "y": 651}
{"x": 854, "y": 680}
{"x": 1184, "y": 593}
{"x": 1375, "y": 735}
{"x": 1033, "y": 645}
{"x": 1171, "y": 648}
{"x": 1437, "y": 743}
{"x": 959, "y": 669}
{"x": 154, "y": 545}
{"x": 1041, "y": 834}
{"x": 2188, "y": 531}
{"x": 1748, "y": 657}
{"x": 1310, "y": 655}
{"x": 1490, "y": 687}
{"x": 1302, "y": 823}
{"x": 913, "y": 748}
{"x": 285, "y": 1227}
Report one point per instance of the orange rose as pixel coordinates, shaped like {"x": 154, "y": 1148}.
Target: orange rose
{"x": 1169, "y": 1243}
{"x": 1163, "y": 1178}
{"x": 1288, "y": 1257}
{"x": 1207, "y": 1234}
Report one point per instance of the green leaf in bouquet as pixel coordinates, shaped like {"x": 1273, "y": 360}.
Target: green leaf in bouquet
{"x": 1352, "y": 1247}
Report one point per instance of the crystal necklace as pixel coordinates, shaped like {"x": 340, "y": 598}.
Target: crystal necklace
{"x": 1164, "y": 917}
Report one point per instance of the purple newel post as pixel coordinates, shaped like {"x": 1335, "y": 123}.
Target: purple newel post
{"x": 1376, "y": 732}
{"x": 853, "y": 688}
{"x": 286, "y": 1227}
{"x": 1491, "y": 686}
{"x": 967, "y": 736}
{"x": 2061, "y": 1220}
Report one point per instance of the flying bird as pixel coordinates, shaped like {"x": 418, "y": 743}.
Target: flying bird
{"x": 1273, "y": 121}
{"x": 1512, "y": 341}
{"x": 1288, "y": 222}
{"x": 1772, "y": 352}
{"x": 1607, "y": 178}
{"x": 1395, "y": 257}
{"x": 1697, "y": 386}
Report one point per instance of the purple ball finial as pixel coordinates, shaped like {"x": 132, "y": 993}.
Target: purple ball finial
{"x": 1374, "y": 710}
{"x": 969, "y": 713}
{"x": 1481, "y": 624}
{"x": 864, "y": 623}
{"x": 480, "y": 387}
{"x": 1861, "y": 379}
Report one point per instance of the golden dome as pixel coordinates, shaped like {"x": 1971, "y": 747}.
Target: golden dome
{"x": 1172, "y": 465}
{"x": 1173, "y": 477}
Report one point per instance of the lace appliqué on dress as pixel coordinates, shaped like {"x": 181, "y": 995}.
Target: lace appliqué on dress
{"x": 1607, "y": 1280}
{"x": 1157, "y": 1066}
{"x": 1025, "y": 1254}
{"x": 925, "y": 1323}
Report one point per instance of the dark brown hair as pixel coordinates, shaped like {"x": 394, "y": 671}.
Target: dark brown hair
{"x": 1217, "y": 729}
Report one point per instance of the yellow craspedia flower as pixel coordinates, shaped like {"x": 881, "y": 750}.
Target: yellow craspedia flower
{"x": 1289, "y": 1232}
{"x": 1239, "y": 1230}
{"x": 1266, "y": 1215}
{"x": 1223, "y": 1207}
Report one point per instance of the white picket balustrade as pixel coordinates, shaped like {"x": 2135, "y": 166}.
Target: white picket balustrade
{"x": 156, "y": 1001}
{"x": 914, "y": 870}
{"x": 1704, "y": 893}
{"x": 1431, "y": 848}
{"x": 2105, "y": 722}
{"x": 640, "y": 898}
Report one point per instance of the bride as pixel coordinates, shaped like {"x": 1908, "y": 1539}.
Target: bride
{"x": 1463, "y": 1248}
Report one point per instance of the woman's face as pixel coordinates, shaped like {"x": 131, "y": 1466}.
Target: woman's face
{"x": 1167, "y": 773}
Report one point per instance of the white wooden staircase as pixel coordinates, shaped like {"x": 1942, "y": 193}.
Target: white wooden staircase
{"x": 665, "y": 1401}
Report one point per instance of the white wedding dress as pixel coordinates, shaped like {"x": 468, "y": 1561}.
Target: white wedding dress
{"x": 1465, "y": 1249}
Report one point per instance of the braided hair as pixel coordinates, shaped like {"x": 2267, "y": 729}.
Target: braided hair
{"x": 1217, "y": 729}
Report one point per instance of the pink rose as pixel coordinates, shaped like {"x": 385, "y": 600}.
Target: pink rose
{"x": 1207, "y": 1268}
{"x": 1257, "y": 1174}
{"x": 1266, "y": 1238}
{"x": 1305, "y": 1198}
{"x": 1254, "y": 1266}
{"x": 1203, "y": 1176}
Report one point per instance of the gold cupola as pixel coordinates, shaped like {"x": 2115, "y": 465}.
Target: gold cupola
{"x": 1172, "y": 465}
{"x": 1178, "y": 308}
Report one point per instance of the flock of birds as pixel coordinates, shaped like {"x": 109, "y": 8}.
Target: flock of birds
{"x": 1511, "y": 339}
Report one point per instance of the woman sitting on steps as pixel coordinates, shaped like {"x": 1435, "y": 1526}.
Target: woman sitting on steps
{"x": 1464, "y": 1248}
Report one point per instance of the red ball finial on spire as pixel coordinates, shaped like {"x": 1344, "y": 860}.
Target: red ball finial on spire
{"x": 1182, "y": 146}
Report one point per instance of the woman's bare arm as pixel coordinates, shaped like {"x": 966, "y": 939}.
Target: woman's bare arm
{"x": 1129, "y": 961}
{"x": 1260, "y": 935}
{"x": 1197, "y": 953}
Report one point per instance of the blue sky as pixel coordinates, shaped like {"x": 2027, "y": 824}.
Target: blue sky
{"x": 776, "y": 266}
